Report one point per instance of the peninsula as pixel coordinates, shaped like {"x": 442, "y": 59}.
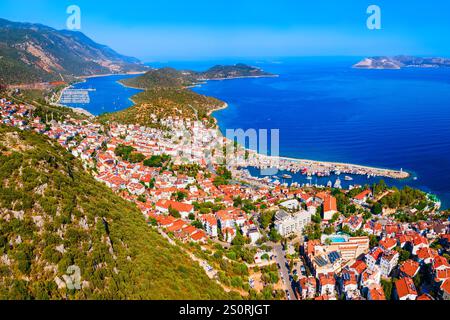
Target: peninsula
{"x": 170, "y": 77}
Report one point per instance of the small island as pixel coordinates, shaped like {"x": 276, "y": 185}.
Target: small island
{"x": 399, "y": 62}
{"x": 170, "y": 77}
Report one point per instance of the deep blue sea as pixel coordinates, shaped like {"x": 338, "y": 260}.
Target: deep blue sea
{"x": 325, "y": 110}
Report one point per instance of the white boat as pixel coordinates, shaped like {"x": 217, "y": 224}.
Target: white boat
{"x": 337, "y": 185}
{"x": 348, "y": 178}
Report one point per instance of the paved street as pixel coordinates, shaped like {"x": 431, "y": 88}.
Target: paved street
{"x": 282, "y": 261}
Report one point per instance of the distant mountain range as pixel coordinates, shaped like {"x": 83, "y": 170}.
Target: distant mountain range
{"x": 172, "y": 78}
{"x": 399, "y": 62}
{"x": 34, "y": 53}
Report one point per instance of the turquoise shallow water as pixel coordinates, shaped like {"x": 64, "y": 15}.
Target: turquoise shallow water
{"x": 325, "y": 110}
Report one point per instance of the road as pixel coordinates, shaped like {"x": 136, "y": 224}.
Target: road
{"x": 282, "y": 261}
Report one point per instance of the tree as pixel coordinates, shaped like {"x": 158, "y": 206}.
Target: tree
{"x": 197, "y": 224}
{"x": 417, "y": 280}
{"x": 238, "y": 239}
{"x": 174, "y": 213}
{"x": 274, "y": 235}
{"x": 180, "y": 195}
{"x": 266, "y": 219}
{"x": 329, "y": 230}
{"x": 377, "y": 208}
{"x": 387, "y": 286}
{"x": 157, "y": 161}
{"x": 136, "y": 157}
{"x": 404, "y": 254}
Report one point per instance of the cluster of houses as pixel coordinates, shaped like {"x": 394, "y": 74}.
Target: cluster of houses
{"x": 341, "y": 266}
{"x": 347, "y": 267}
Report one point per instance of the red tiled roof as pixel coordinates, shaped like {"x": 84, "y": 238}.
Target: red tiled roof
{"x": 363, "y": 194}
{"x": 388, "y": 243}
{"x": 176, "y": 226}
{"x": 426, "y": 253}
{"x": 410, "y": 268}
{"x": 359, "y": 266}
{"x": 446, "y": 286}
{"x": 198, "y": 235}
{"x": 180, "y": 207}
{"x": 405, "y": 286}
{"x": 377, "y": 292}
{"x": 329, "y": 204}
{"x": 439, "y": 262}
{"x": 424, "y": 297}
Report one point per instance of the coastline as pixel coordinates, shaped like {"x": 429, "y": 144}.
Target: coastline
{"x": 292, "y": 164}
{"x": 112, "y": 74}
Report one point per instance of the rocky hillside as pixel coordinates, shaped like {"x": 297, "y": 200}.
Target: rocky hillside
{"x": 33, "y": 53}
{"x": 399, "y": 62}
{"x": 54, "y": 215}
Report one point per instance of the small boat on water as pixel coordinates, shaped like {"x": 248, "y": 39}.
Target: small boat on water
{"x": 348, "y": 178}
{"x": 337, "y": 184}
{"x": 286, "y": 176}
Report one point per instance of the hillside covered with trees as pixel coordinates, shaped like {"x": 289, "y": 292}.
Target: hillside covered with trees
{"x": 54, "y": 215}
{"x": 159, "y": 103}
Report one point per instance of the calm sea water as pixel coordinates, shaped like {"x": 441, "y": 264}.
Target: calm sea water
{"x": 325, "y": 110}
{"x": 109, "y": 95}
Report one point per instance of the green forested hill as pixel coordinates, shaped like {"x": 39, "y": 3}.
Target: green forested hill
{"x": 54, "y": 215}
{"x": 162, "y": 78}
{"x": 172, "y": 78}
{"x": 160, "y": 103}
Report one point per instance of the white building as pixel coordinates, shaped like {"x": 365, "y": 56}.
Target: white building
{"x": 289, "y": 224}
{"x": 388, "y": 262}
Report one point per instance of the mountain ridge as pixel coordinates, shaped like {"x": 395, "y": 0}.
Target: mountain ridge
{"x": 31, "y": 52}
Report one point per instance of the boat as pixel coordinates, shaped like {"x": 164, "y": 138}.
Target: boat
{"x": 348, "y": 178}
{"x": 286, "y": 176}
{"x": 337, "y": 185}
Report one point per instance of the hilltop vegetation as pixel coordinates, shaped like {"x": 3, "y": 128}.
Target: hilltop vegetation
{"x": 162, "y": 78}
{"x": 172, "y": 78}
{"x": 54, "y": 215}
{"x": 155, "y": 104}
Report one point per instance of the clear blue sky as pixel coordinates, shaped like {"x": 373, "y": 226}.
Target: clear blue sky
{"x": 175, "y": 29}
